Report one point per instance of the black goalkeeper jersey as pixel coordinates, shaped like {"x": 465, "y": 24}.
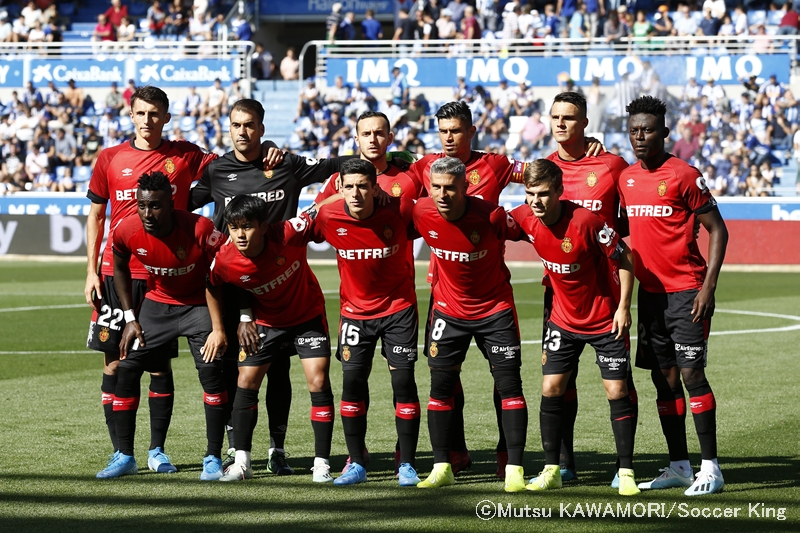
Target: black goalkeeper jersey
{"x": 280, "y": 187}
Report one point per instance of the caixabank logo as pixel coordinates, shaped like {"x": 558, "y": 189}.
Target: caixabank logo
{"x": 80, "y": 71}
{"x": 184, "y": 72}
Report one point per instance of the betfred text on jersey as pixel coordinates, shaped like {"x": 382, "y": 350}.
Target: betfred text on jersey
{"x": 269, "y": 196}
{"x": 649, "y": 210}
{"x": 459, "y": 257}
{"x": 159, "y": 271}
{"x": 270, "y": 285}
{"x": 368, "y": 253}
{"x": 591, "y": 205}
{"x": 561, "y": 268}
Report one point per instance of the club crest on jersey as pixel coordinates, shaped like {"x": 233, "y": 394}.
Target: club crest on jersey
{"x": 242, "y": 354}
{"x": 433, "y": 351}
{"x": 268, "y": 174}
{"x": 388, "y": 233}
{"x": 346, "y": 353}
{"x": 280, "y": 260}
{"x": 566, "y": 245}
{"x": 474, "y": 177}
{"x": 180, "y": 253}
{"x": 169, "y": 166}
{"x": 103, "y": 335}
{"x": 396, "y": 189}
{"x": 662, "y": 188}
{"x": 474, "y": 237}
{"x": 591, "y": 179}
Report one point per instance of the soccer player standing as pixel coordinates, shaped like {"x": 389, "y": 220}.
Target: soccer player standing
{"x": 176, "y": 249}
{"x": 378, "y": 302}
{"x": 270, "y": 262}
{"x": 663, "y": 196}
{"x": 472, "y": 297}
{"x": 591, "y": 305}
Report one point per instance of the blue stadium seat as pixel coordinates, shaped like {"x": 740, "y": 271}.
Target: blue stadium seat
{"x": 66, "y": 9}
{"x": 137, "y": 9}
{"x": 60, "y": 172}
{"x": 187, "y": 124}
{"x": 774, "y": 17}
{"x": 225, "y": 124}
{"x": 758, "y": 16}
{"x": 81, "y": 174}
{"x": 126, "y": 124}
{"x": 87, "y": 120}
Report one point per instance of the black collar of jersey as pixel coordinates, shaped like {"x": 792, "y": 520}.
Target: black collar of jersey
{"x": 132, "y": 143}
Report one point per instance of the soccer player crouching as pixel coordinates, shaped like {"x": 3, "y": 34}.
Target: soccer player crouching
{"x": 378, "y": 301}
{"x": 575, "y": 245}
{"x": 472, "y": 297}
{"x": 289, "y": 311}
{"x": 176, "y": 248}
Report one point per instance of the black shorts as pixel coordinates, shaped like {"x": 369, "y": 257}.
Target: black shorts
{"x": 162, "y": 324}
{"x": 667, "y": 335}
{"x": 561, "y": 351}
{"x": 105, "y": 329}
{"x": 308, "y": 340}
{"x": 497, "y": 337}
{"x": 397, "y": 332}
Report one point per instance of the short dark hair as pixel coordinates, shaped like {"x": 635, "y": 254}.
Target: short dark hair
{"x": 151, "y": 95}
{"x": 648, "y": 105}
{"x": 459, "y": 110}
{"x": 155, "y": 181}
{"x": 543, "y": 171}
{"x": 245, "y": 207}
{"x": 571, "y": 97}
{"x": 248, "y": 105}
{"x": 370, "y": 114}
{"x": 359, "y": 166}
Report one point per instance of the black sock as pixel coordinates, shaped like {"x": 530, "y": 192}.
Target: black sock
{"x": 634, "y": 396}
{"x": 353, "y": 410}
{"x": 444, "y": 383}
{"x": 498, "y": 414}
{"x": 550, "y": 416}
{"x": 704, "y": 413}
{"x": 458, "y": 441}
{"x": 569, "y": 414}
{"x": 107, "y": 389}
{"x": 230, "y": 376}
{"x": 515, "y": 426}
{"x": 161, "y": 401}
{"x": 126, "y": 404}
{"x": 672, "y": 415}
{"x": 278, "y": 400}
{"x": 214, "y": 404}
{"x": 245, "y": 417}
{"x": 322, "y": 422}
{"x": 623, "y": 422}
{"x": 406, "y": 413}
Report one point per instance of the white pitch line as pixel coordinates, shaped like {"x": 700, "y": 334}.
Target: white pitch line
{"x": 42, "y": 307}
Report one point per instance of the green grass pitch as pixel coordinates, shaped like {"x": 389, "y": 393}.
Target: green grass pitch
{"x": 53, "y": 439}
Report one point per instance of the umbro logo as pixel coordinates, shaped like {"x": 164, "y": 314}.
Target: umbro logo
{"x": 127, "y": 172}
{"x": 631, "y": 182}
{"x": 245, "y": 278}
{"x": 141, "y": 251}
{"x": 433, "y": 234}
{"x": 341, "y": 232}
{"x": 407, "y": 411}
{"x": 232, "y": 177}
{"x": 350, "y": 408}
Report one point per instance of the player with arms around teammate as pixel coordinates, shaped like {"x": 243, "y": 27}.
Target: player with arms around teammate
{"x": 378, "y": 302}
{"x": 472, "y": 297}
{"x": 591, "y": 305}
{"x": 242, "y": 171}
{"x": 590, "y": 182}
{"x": 663, "y": 196}
{"x": 176, "y": 249}
{"x": 114, "y": 180}
{"x": 269, "y": 261}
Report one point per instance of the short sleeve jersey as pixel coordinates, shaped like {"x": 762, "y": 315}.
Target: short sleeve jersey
{"x": 591, "y": 182}
{"x": 176, "y": 265}
{"x": 116, "y": 175}
{"x": 661, "y": 205}
{"x": 376, "y": 277}
{"x": 394, "y": 181}
{"x": 279, "y": 187}
{"x": 575, "y": 252}
{"x": 470, "y": 277}
{"x": 285, "y": 291}
{"x": 487, "y": 174}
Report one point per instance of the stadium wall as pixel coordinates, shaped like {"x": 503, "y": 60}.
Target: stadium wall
{"x": 763, "y": 231}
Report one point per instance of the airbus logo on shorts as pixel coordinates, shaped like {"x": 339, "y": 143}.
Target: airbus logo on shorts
{"x": 141, "y": 251}
{"x": 401, "y": 349}
{"x": 127, "y": 172}
{"x": 604, "y": 359}
{"x": 341, "y": 232}
{"x": 433, "y": 234}
{"x": 687, "y": 349}
{"x": 313, "y": 342}
{"x": 232, "y": 177}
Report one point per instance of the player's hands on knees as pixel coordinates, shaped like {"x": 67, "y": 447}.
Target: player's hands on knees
{"x": 215, "y": 346}
{"x": 92, "y": 291}
{"x": 622, "y": 323}
{"x": 132, "y": 331}
{"x": 381, "y": 196}
{"x": 704, "y": 305}
{"x": 248, "y": 337}
{"x": 272, "y": 157}
{"x": 593, "y": 146}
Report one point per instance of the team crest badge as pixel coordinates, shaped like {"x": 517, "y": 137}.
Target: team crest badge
{"x": 396, "y": 189}
{"x": 433, "y": 351}
{"x": 662, "y": 188}
{"x": 346, "y": 353}
{"x": 544, "y": 358}
{"x": 280, "y": 260}
{"x": 474, "y": 177}
{"x": 268, "y": 174}
{"x": 242, "y": 354}
{"x": 169, "y": 166}
{"x": 566, "y": 245}
{"x": 475, "y": 238}
{"x": 591, "y": 179}
{"x": 103, "y": 335}
{"x": 180, "y": 253}
{"x": 388, "y": 233}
